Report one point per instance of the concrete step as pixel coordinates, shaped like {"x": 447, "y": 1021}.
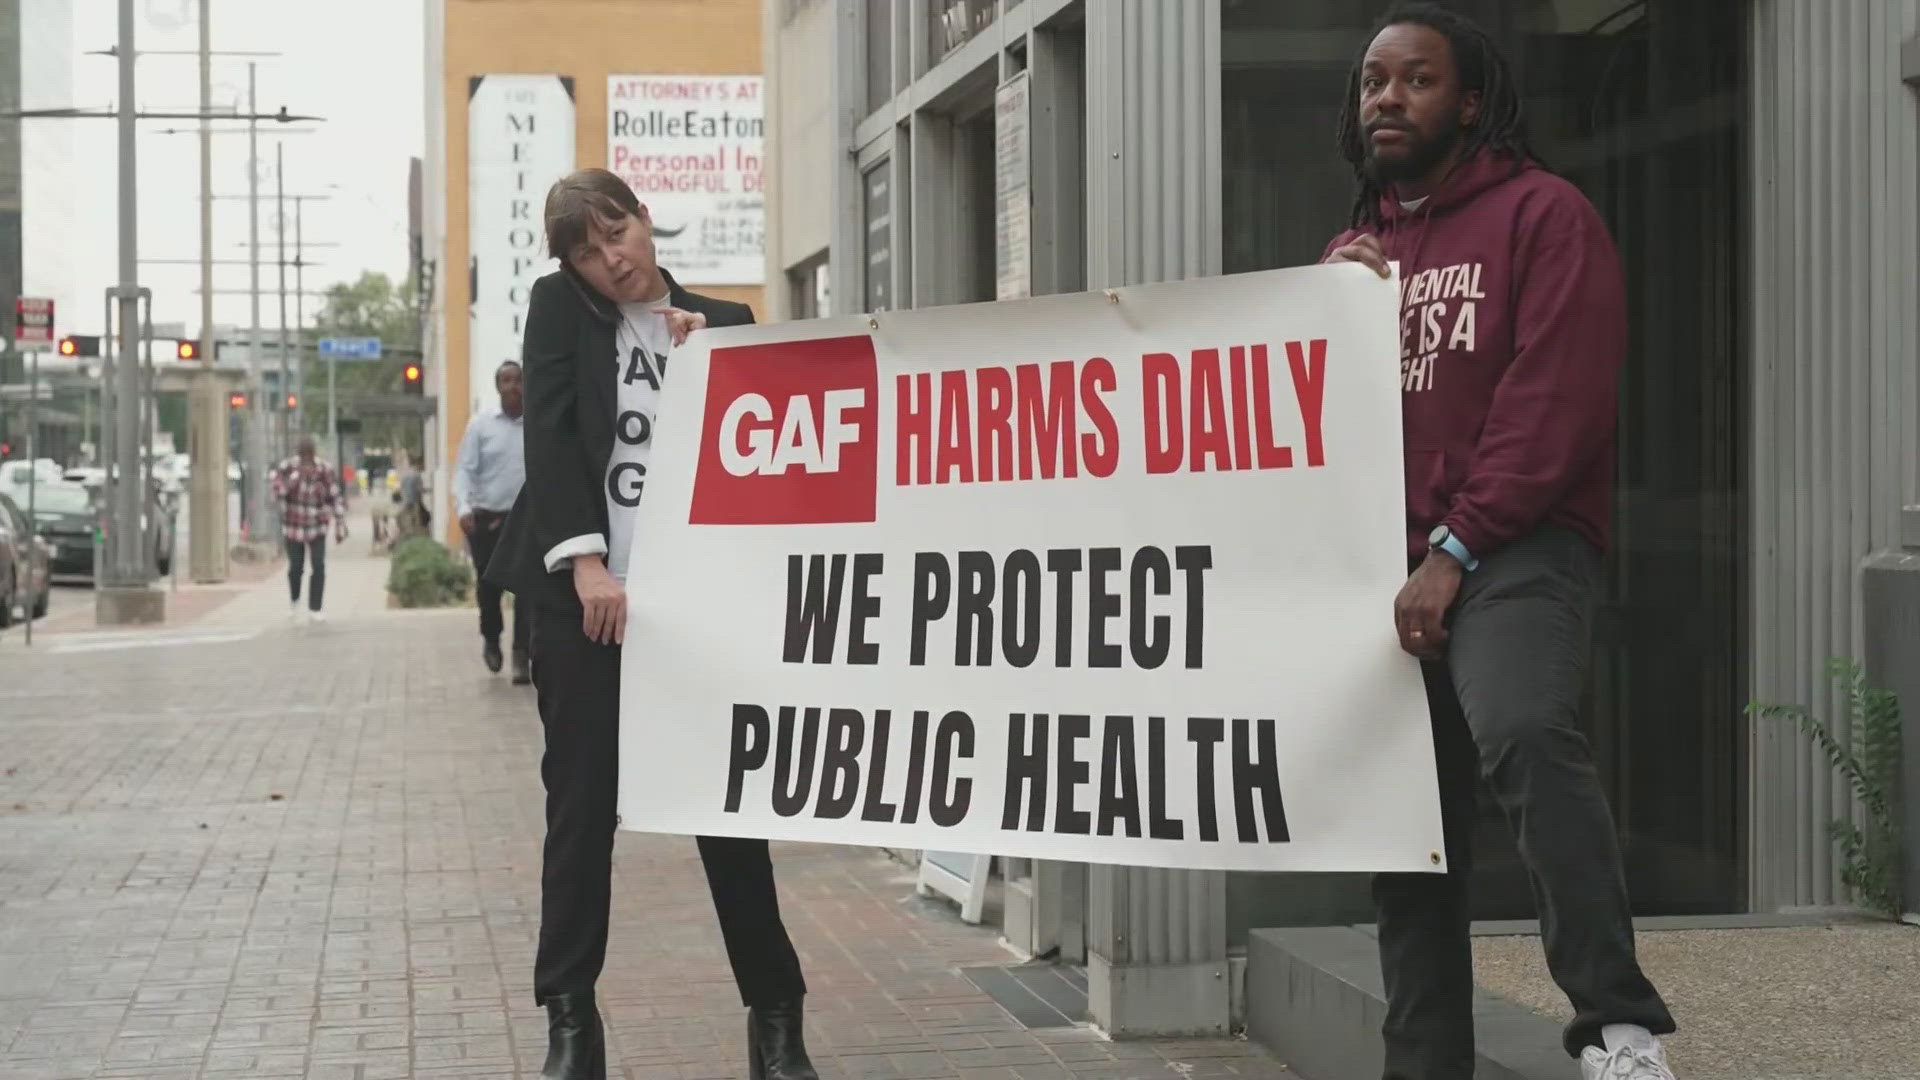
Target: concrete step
{"x": 1315, "y": 998}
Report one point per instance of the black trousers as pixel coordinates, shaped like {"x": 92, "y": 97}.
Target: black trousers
{"x": 1505, "y": 706}
{"x": 577, "y": 683}
{"x": 296, "y": 562}
{"x": 480, "y": 544}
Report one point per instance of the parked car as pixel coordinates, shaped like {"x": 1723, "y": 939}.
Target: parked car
{"x": 68, "y": 515}
{"x": 156, "y": 515}
{"x": 183, "y": 470}
{"x": 13, "y": 475}
{"x": 26, "y": 577}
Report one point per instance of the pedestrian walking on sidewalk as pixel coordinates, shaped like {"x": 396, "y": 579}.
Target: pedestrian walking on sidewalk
{"x": 1513, "y": 332}
{"x": 598, "y": 335}
{"x": 486, "y": 480}
{"x": 308, "y": 493}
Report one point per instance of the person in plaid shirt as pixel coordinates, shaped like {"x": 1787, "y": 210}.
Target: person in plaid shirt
{"x": 309, "y": 496}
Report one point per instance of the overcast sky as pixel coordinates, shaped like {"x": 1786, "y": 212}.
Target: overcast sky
{"x": 357, "y": 63}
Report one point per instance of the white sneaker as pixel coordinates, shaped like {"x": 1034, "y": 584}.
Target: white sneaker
{"x": 296, "y": 613}
{"x": 318, "y": 616}
{"x": 1625, "y": 1063}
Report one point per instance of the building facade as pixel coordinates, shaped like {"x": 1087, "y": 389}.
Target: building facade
{"x": 37, "y": 206}
{"x": 48, "y": 159}
{"x": 1756, "y": 161}
{"x": 521, "y": 92}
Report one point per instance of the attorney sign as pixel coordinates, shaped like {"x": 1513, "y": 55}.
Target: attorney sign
{"x": 1102, "y": 577}
{"x": 691, "y": 146}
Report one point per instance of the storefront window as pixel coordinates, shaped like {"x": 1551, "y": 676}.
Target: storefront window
{"x": 1641, "y": 106}
{"x": 954, "y": 22}
{"x": 877, "y": 197}
{"x": 808, "y": 289}
{"x": 879, "y": 34}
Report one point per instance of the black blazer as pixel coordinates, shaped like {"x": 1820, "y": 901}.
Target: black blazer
{"x": 570, "y": 374}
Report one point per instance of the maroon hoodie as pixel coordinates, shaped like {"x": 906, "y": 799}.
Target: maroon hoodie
{"x": 1512, "y": 331}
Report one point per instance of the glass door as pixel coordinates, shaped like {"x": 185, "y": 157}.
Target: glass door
{"x": 1642, "y": 106}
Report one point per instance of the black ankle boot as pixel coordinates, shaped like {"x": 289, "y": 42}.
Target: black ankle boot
{"x": 576, "y": 1047}
{"x": 775, "y": 1048}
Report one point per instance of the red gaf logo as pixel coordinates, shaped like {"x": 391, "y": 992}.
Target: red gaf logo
{"x": 790, "y": 435}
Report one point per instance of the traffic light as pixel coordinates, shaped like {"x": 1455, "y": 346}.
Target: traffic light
{"x": 80, "y": 345}
{"x": 293, "y": 402}
{"x": 414, "y": 378}
{"x": 236, "y": 400}
{"x": 187, "y": 350}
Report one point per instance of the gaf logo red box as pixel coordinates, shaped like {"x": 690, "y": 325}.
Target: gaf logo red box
{"x": 790, "y": 435}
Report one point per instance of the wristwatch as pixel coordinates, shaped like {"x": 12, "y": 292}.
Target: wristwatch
{"x": 1442, "y": 539}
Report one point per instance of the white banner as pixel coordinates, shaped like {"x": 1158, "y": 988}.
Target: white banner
{"x": 519, "y": 141}
{"x": 1080, "y": 578}
{"x": 690, "y": 146}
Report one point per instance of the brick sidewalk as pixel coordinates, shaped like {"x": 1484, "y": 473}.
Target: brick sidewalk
{"x": 313, "y": 852}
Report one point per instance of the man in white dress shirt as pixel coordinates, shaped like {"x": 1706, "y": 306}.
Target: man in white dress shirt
{"x": 486, "y": 480}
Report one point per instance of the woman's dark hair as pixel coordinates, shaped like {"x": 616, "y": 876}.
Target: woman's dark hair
{"x": 1500, "y": 124}
{"x": 580, "y": 200}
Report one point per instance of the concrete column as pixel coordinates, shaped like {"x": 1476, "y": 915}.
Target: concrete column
{"x": 847, "y": 267}
{"x": 1890, "y": 614}
{"x": 1156, "y": 939}
{"x": 207, "y": 494}
{"x": 207, "y": 405}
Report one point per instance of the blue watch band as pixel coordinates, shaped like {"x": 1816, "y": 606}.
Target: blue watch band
{"x": 1452, "y": 546}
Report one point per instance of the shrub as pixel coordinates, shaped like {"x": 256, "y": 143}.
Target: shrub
{"x": 422, "y": 573}
{"x": 1871, "y": 766}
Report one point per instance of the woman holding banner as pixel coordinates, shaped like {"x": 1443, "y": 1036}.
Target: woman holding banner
{"x": 597, "y": 335}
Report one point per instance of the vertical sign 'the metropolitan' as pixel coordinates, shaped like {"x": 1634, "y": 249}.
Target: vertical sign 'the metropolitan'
{"x": 519, "y": 141}
{"x": 691, "y": 146}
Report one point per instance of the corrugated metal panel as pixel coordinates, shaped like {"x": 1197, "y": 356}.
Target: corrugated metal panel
{"x": 1836, "y": 303}
{"x": 1153, "y": 152}
{"x": 1153, "y": 214}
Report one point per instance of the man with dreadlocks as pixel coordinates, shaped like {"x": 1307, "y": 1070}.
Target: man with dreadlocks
{"x": 1512, "y": 332}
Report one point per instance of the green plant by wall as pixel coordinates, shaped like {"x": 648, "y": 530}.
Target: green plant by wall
{"x": 1871, "y": 764}
{"x": 423, "y": 573}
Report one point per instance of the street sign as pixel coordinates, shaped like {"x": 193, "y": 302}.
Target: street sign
{"x": 33, "y": 320}
{"x": 350, "y": 348}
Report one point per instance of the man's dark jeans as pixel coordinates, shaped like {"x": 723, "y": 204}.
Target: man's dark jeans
{"x": 1505, "y": 704}
{"x": 480, "y": 544}
{"x": 296, "y": 560}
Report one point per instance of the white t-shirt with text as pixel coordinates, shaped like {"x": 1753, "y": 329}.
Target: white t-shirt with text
{"x": 640, "y": 351}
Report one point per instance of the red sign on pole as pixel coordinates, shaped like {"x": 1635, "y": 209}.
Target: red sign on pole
{"x": 33, "y": 320}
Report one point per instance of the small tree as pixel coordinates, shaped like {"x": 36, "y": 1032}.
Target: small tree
{"x": 1871, "y": 765}
{"x": 368, "y": 307}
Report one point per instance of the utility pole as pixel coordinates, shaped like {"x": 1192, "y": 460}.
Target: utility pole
{"x": 207, "y": 434}
{"x": 287, "y": 423}
{"x": 126, "y": 595}
{"x": 259, "y": 527}
{"x": 299, "y": 297}
{"x": 300, "y": 312}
